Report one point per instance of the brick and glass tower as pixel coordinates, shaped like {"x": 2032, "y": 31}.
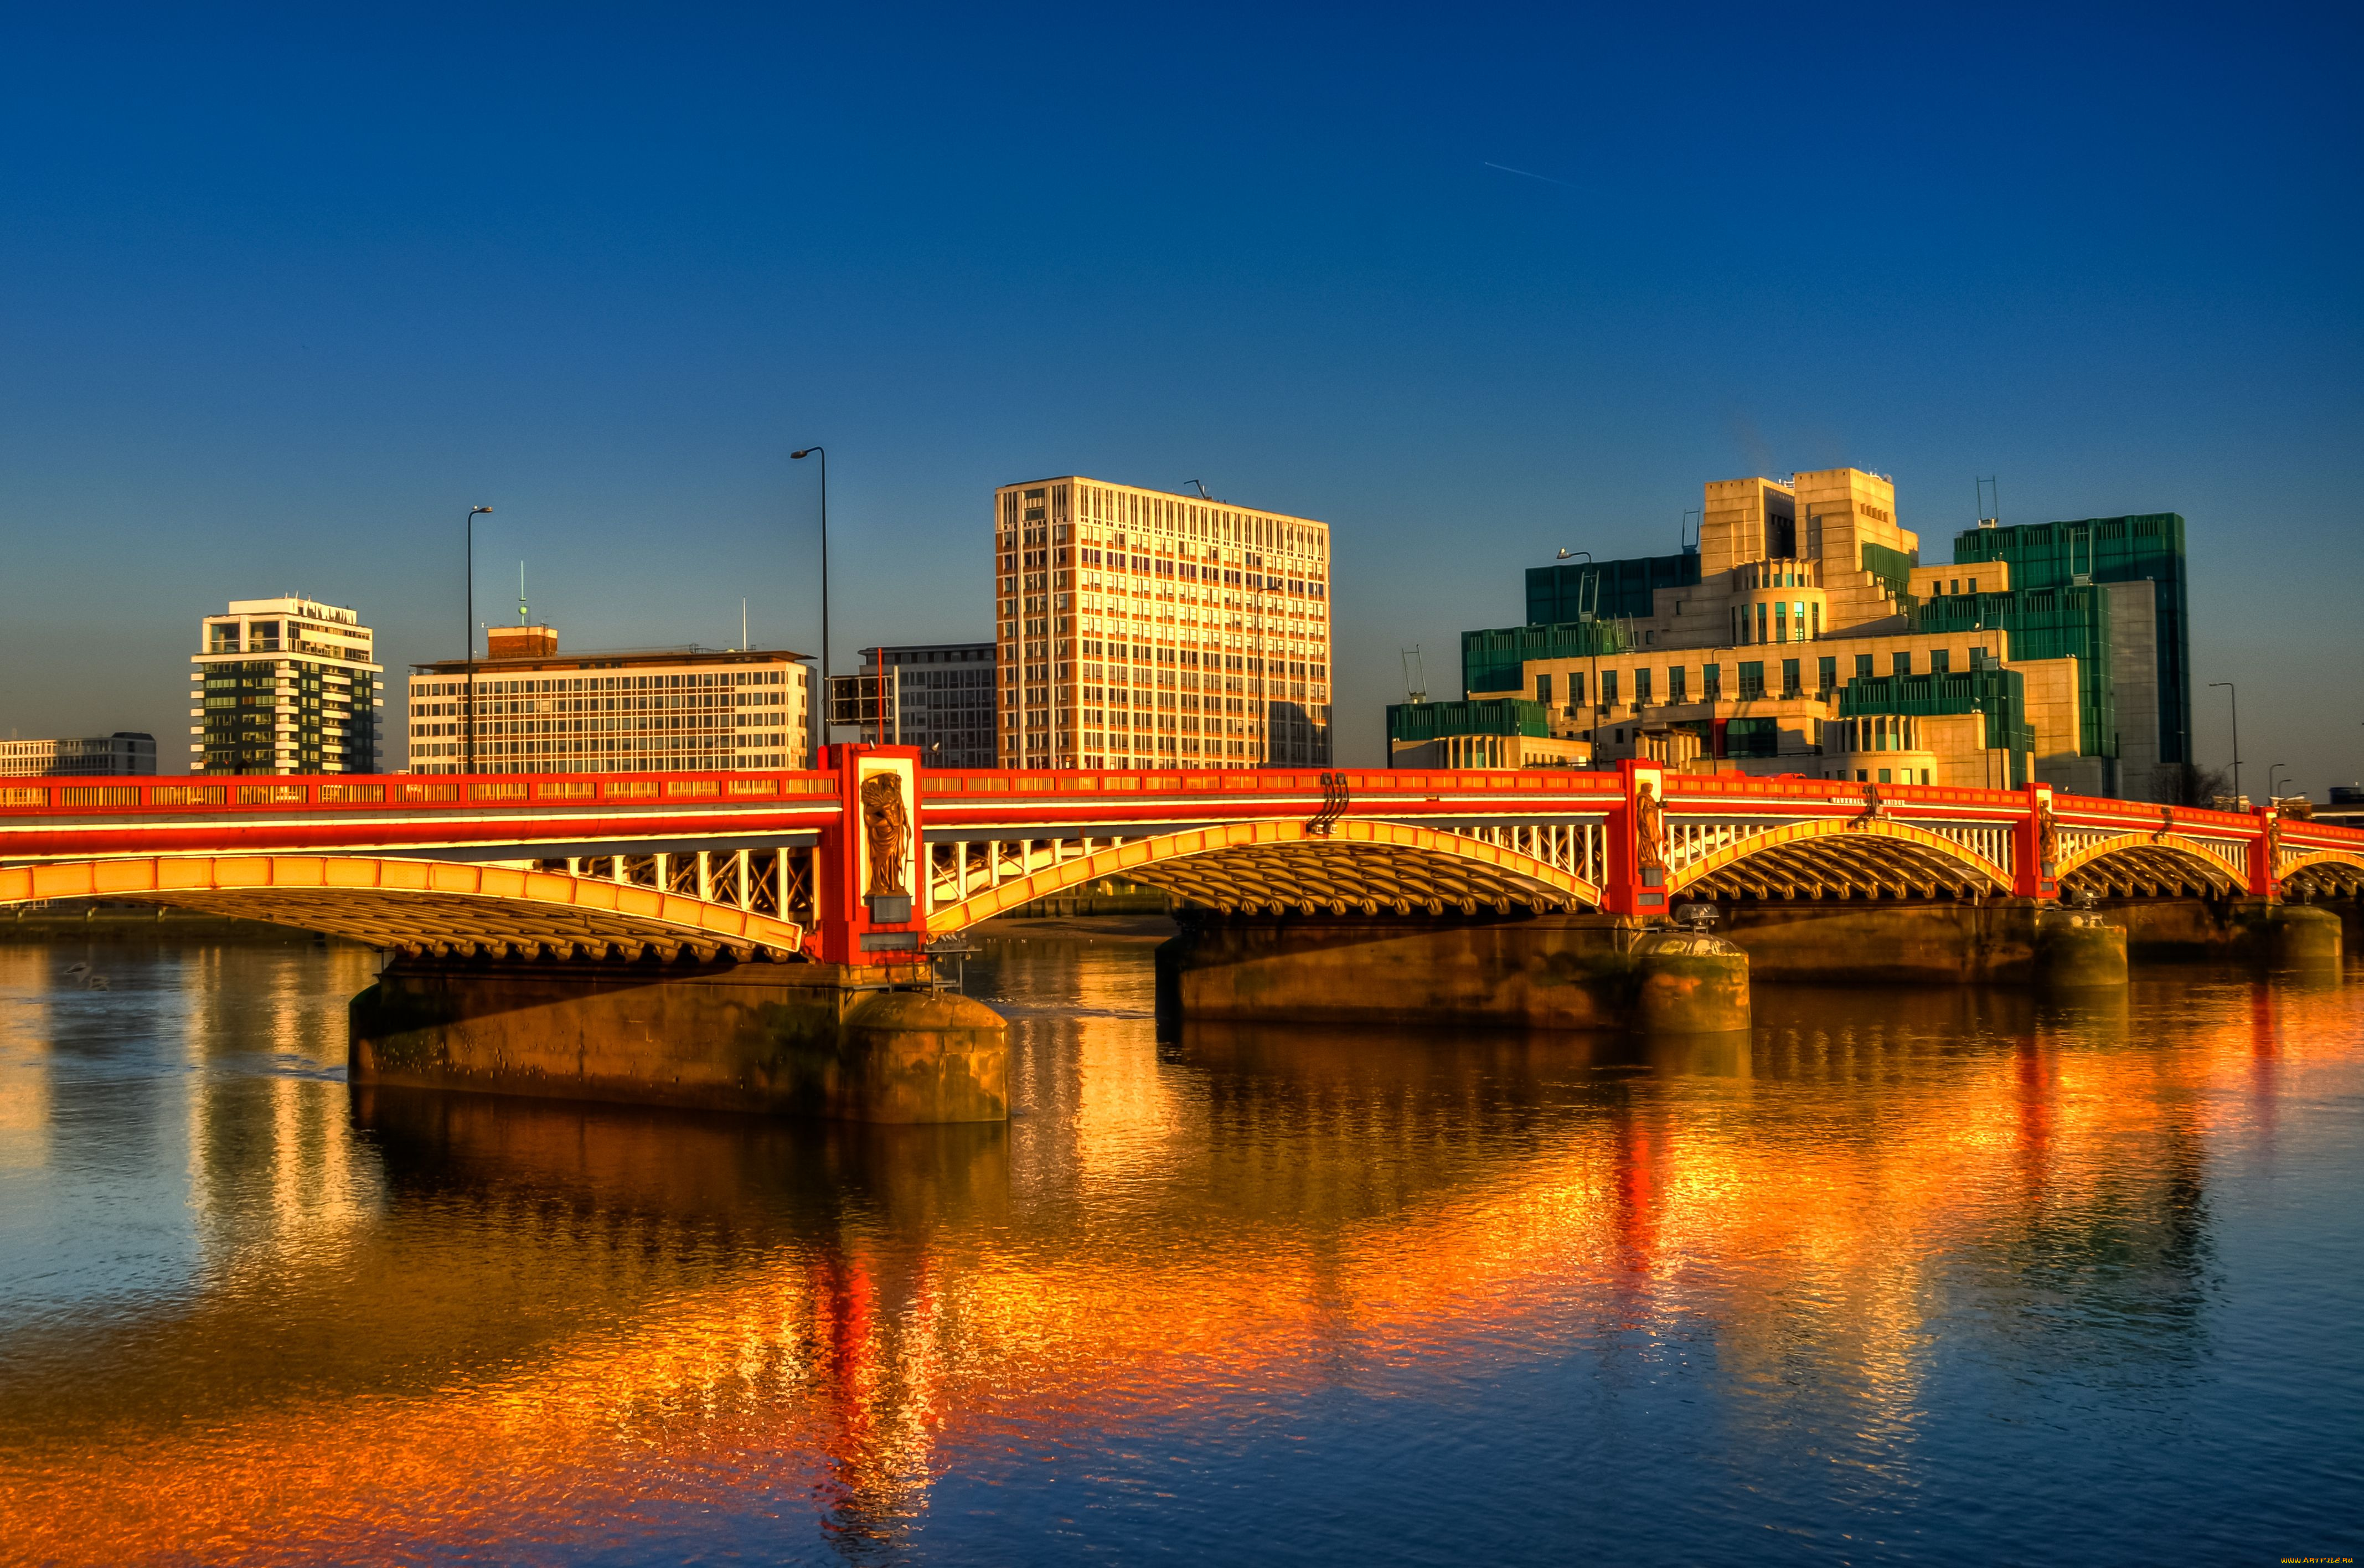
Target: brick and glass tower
{"x": 1140, "y": 629}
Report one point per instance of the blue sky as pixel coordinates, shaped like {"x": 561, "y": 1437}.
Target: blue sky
{"x": 283, "y": 292}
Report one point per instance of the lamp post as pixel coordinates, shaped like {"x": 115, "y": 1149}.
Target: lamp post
{"x": 2233, "y": 695}
{"x": 2272, "y": 791}
{"x": 1986, "y": 764}
{"x": 473, "y": 512}
{"x": 820, "y": 711}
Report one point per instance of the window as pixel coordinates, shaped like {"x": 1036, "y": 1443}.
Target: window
{"x": 1974, "y": 585}
{"x": 1862, "y": 665}
{"x": 1675, "y": 692}
{"x": 1760, "y": 622}
{"x": 1900, "y": 663}
{"x": 1883, "y": 776}
{"x": 1818, "y": 623}
{"x": 1752, "y": 679}
{"x": 1781, "y": 622}
{"x": 1711, "y": 682}
{"x": 1543, "y": 689}
{"x": 1941, "y": 660}
{"x": 1608, "y": 687}
{"x": 1641, "y": 685}
{"x": 1826, "y": 674}
{"x": 1575, "y": 690}
{"x": 1752, "y": 737}
{"x": 1789, "y": 677}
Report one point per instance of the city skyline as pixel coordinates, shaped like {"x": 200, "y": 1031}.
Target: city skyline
{"x": 286, "y": 302}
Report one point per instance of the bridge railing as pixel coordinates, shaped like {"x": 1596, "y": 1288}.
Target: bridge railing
{"x": 997, "y": 782}
{"x": 205, "y": 795}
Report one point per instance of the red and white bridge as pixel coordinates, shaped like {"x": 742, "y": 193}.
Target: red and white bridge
{"x": 777, "y": 866}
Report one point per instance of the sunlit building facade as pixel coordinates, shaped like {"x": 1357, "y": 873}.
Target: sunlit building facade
{"x": 1803, "y": 633}
{"x": 124, "y": 753}
{"x": 666, "y": 711}
{"x": 284, "y": 686}
{"x": 1141, "y": 628}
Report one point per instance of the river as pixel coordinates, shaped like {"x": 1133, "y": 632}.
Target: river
{"x": 1943, "y": 1276}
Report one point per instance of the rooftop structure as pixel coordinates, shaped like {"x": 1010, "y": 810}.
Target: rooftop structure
{"x": 938, "y": 697}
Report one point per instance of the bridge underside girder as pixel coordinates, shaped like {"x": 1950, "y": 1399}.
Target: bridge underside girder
{"x": 1845, "y": 866}
{"x": 425, "y": 907}
{"x": 1312, "y": 876}
{"x": 2326, "y": 879}
{"x": 2150, "y": 871}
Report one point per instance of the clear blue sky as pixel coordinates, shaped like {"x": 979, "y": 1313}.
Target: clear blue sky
{"x": 283, "y": 292}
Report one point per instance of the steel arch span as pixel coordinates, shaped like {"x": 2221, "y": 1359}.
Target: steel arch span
{"x": 2129, "y": 862}
{"x": 1283, "y": 865}
{"x": 1841, "y": 858}
{"x": 2322, "y": 873}
{"x": 422, "y": 907}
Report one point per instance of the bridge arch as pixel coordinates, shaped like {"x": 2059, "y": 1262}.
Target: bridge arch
{"x": 2322, "y": 873}
{"x": 423, "y": 906}
{"x": 2131, "y": 863}
{"x": 1841, "y": 858}
{"x": 1360, "y": 866}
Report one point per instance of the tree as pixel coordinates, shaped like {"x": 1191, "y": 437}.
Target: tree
{"x": 2189, "y": 784}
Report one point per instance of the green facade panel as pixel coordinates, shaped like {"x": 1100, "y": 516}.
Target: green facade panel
{"x": 2045, "y": 623}
{"x": 2110, "y": 550}
{"x": 1487, "y": 716}
{"x": 1999, "y": 694}
{"x": 1569, "y": 591}
{"x": 1492, "y": 660}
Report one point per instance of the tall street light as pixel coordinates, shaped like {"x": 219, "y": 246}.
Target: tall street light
{"x": 2234, "y": 696}
{"x": 2272, "y": 791}
{"x": 472, "y": 634}
{"x": 820, "y": 708}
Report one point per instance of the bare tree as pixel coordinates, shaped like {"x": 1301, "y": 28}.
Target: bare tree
{"x": 2189, "y": 784}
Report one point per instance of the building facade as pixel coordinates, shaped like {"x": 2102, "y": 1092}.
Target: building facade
{"x": 1139, "y": 629}
{"x": 284, "y": 686}
{"x": 122, "y": 754}
{"x": 938, "y": 697}
{"x": 658, "y": 710}
{"x": 1503, "y": 731}
{"x": 1803, "y": 620}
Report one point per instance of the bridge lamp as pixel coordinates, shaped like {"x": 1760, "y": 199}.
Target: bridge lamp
{"x": 471, "y": 645}
{"x": 2273, "y": 792}
{"x": 820, "y": 715}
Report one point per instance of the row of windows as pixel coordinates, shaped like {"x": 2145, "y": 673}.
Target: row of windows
{"x": 1643, "y": 685}
{"x": 718, "y": 681}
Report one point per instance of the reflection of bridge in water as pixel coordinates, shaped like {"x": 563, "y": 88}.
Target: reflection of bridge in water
{"x": 536, "y": 1303}
{"x": 1529, "y": 898}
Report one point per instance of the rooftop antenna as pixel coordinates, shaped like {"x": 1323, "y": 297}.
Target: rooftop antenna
{"x": 1415, "y": 676}
{"x": 1989, "y": 503}
{"x": 742, "y": 625}
{"x": 1202, "y": 489}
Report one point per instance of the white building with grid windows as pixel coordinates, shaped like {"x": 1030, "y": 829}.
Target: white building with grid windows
{"x": 1141, "y": 628}
{"x": 124, "y": 753}
{"x": 657, "y": 710}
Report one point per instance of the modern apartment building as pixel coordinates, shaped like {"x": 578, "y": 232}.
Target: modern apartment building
{"x": 284, "y": 686}
{"x": 1803, "y": 634}
{"x": 938, "y": 697}
{"x": 1140, "y": 629}
{"x": 121, "y": 754}
{"x": 655, "y": 711}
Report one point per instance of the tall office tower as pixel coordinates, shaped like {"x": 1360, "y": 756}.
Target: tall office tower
{"x": 935, "y": 696}
{"x": 284, "y": 686}
{"x": 659, "y": 710}
{"x": 1139, "y": 629}
{"x": 125, "y": 751}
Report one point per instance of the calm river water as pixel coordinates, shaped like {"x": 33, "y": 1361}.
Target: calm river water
{"x": 1949, "y": 1277}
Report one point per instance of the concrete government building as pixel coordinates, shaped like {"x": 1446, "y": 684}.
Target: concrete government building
{"x": 659, "y": 710}
{"x": 1139, "y": 629}
{"x": 1803, "y": 633}
{"x": 126, "y": 753}
{"x": 284, "y": 686}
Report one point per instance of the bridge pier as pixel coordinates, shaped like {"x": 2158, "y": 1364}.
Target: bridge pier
{"x": 1995, "y": 942}
{"x": 2240, "y": 930}
{"x": 797, "y": 1039}
{"x": 1565, "y": 971}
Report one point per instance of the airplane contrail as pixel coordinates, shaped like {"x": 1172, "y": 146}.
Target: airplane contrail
{"x": 1524, "y": 173}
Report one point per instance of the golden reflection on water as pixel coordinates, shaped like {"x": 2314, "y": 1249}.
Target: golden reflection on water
{"x": 532, "y": 1328}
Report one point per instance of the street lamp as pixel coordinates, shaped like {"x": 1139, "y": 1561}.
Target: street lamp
{"x": 473, "y": 511}
{"x": 2234, "y": 696}
{"x": 2272, "y": 792}
{"x": 1986, "y": 763}
{"x": 820, "y": 715}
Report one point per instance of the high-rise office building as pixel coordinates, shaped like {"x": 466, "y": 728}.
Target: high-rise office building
{"x": 938, "y": 697}
{"x": 658, "y": 710}
{"x": 124, "y": 753}
{"x": 284, "y": 685}
{"x": 1140, "y": 629}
